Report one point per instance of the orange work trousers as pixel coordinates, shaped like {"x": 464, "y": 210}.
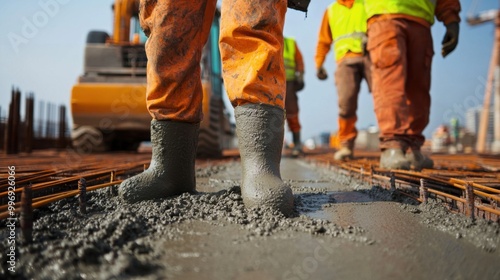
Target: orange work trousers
{"x": 251, "y": 45}
{"x": 292, "y": 107}
{"x": 348, "y": 77}
{"x": 401, "y": 53}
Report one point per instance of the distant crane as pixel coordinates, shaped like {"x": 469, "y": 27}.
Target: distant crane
{"x": 493, "y": 75}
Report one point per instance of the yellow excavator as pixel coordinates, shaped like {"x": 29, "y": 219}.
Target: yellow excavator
{"x": 108, "y": 103}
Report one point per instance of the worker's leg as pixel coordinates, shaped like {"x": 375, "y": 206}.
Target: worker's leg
{"x": 251, "y": 45}
{"x": 387, "y": 46}
{"x": 348, "y": 77}
{"x": 367, "y": 71}
{"x": 292, "y": 116}
{"x": 420, "y": 52}
{"x": 292, "y": 107}
{"x": 177, "y": 31}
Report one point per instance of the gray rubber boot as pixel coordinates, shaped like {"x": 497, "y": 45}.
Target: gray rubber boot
{"x": 297, "y": 144}
{"x": 260, "y": 138}
{"x": 171, "y": 171}
{"x": 394, "y": 158}
{"x": 419, "y": 161}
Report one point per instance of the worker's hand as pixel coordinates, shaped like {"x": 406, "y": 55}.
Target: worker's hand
{"x": 321, "y": 73}
{"x": 450, "y": 39}
{"x": 299, "y": 82}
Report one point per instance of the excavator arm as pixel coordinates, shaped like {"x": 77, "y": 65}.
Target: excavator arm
{"x": 124, "y": 11}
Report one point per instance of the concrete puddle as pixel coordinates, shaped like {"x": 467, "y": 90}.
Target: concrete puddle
{"x": 314, "y": 205}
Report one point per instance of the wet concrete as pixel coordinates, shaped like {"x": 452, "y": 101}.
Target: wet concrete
{"x": 344, "y": 230}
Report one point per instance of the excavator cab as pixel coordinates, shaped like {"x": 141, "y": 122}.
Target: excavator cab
{"x": 108, "y": 102}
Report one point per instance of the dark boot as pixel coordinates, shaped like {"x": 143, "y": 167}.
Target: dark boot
{"x": 171, "y": 171}
{"x": 394, "y": 158}
{"x": 297, "y": 144}
{"x": 418, "y": 160}
{"x": 260, "y": 138}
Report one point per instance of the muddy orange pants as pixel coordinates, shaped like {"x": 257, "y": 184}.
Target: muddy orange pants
{"x": 401, "y": 53}
{"x": 292, "y": 107}
{"x": 251, "y": 45}
{"x": 348, "y": 77}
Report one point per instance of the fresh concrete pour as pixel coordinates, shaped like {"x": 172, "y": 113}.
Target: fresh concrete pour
{"x": 343, "y": 230}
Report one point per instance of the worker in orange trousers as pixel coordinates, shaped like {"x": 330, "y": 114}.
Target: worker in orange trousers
{"x": 344, "y": 26}
{"x": 294, "y": 67}
{"x": 401, "y": 51}
{"x": 251, "y": 45}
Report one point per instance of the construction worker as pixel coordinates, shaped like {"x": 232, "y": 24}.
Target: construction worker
{"x": 344, "y": 25}
{"x": 401, "y": 50}
{"x": 294, "y": 67}
{"x": 251, "y": 45}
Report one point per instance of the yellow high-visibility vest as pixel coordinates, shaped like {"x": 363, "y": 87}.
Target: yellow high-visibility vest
{"x": 289, "y": 56}
{"x": 348, "y": 27}
{"x": 418, "y": 8}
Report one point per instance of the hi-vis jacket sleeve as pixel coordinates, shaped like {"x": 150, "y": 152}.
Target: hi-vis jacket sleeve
{"x": 299, "y": 60}
{"x": 447, "y": 11}
{"x": 325, "y": 41}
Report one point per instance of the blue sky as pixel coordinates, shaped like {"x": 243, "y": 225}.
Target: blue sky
{"x": 41, "y": 51}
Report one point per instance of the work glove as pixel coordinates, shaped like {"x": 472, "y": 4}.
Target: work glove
{"x": 450, "y": 39}
{"x": 299, "y": 82}
{"x": 321, "y": 73}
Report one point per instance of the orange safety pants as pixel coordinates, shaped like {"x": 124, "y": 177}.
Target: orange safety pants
{"x": 251, "y": 45}
{"x": 348, "y": 77}
{"x": 292, "y": 107}
{"x": 401, "y": 53}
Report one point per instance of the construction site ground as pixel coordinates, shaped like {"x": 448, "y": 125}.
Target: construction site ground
{"x": 346, "y": 227}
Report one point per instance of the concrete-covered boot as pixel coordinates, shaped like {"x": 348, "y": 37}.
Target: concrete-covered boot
{"x": 394, "y": 158}
{"x": 171, "y": 171}
{"x": 418, "y": 160}
{"x": 344, "y": 153}
{"x": 260, "y": 134}
{"x": 297, "y": 145}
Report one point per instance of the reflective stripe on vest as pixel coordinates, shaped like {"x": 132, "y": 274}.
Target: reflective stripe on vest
{"x": 289, "y": 57}
{"x": 348, "y": 27}
{"x": 418, "y": 8}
